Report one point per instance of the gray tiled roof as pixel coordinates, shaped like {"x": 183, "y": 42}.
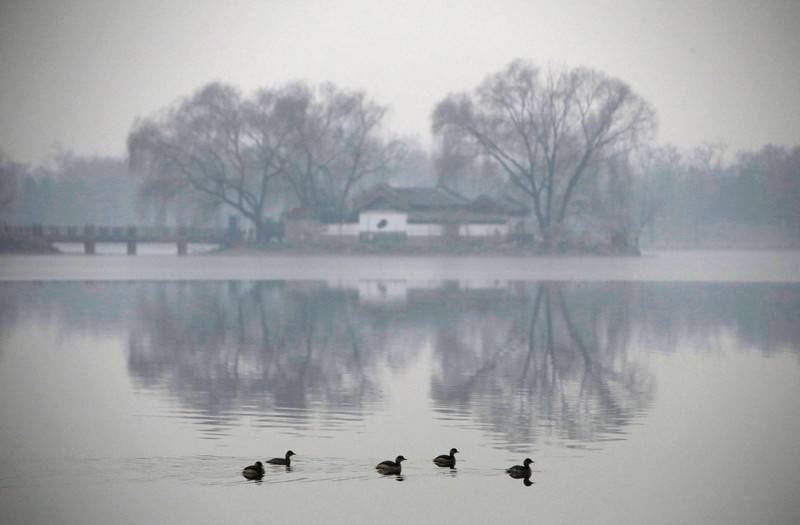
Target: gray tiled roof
{"x": 411, "y": 198}
{"x": 435, "y": 201}
{"x": 418, "y": 198}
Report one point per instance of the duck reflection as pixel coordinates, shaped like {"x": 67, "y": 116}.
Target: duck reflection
{"x": 522, "y": 472}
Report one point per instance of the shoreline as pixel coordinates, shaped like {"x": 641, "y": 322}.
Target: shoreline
{"x": 464, "y": 252}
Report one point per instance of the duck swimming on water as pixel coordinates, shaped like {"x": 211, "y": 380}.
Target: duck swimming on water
{"x": 286, "y": 460}
{"x": 390, "y": 467}
{"x": 254, "y": 471}
{"x": 446, "y": 460}
{"x": 521, "y": 471}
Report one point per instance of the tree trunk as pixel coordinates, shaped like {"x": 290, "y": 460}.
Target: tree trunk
{"x": 550, "y": 236}
{"x": 261, "y": 230}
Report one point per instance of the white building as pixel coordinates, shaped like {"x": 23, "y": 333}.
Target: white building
{"x": 387, "y": 212}
{"x": 435, "y": 212}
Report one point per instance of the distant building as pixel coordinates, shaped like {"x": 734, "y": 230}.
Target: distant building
{"x": 386, "y": 212}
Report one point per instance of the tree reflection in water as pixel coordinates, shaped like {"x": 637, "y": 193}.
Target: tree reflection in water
{"x": 221, "y": 347}
{"x": 513, "y": 359}
{"x": 521, "y": 361}
{"x": 559, "y": 360}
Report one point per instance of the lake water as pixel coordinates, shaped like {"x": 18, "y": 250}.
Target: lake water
{"x": 128, "y": 396}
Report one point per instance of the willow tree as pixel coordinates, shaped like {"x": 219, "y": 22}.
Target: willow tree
{"x": 215, "y": 144}
{"x": 545, "y": 130}
{"x": 234, "y": 150}
{"x": 339, "y": 145}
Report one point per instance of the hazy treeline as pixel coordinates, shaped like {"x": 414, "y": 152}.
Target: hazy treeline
{"x": 702, "y": 200}
{"x": 75, "y": 190}
{"x": 72, "y": 191}
{"x": 574, "y": 145}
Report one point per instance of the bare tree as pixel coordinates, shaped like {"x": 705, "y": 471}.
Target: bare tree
{"x": 231, "y": 150}
{"x": 632, "y": 189}
{"x": 546, "y": 129}
{"x": 465, "y": 170}
{"x": 217, "y": 145}
{"x": 11, "y": 174}
{"x": 776, "y": 170}
{"x": 417, "y": 167}
{"x": 655, "y": 171}
{"x": 339, "y": 145}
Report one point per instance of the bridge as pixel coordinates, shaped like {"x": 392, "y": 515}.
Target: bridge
{"x": 90, "y": 235}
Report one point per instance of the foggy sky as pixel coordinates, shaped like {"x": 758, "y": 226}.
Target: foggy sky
{"x": 78, "y": 73}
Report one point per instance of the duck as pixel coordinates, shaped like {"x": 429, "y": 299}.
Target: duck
{"x": 254, "y": 471}
{"x": 446, "y": 460}
{"x": 390, "y": 467}
{"x": 287, "y": 460}
{"x": 521, "y": 471}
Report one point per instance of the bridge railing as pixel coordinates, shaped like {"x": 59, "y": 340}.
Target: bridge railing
{"x": 56, "y": 233}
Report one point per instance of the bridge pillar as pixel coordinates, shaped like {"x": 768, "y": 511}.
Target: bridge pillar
{"x": 182, "y": 241}
{"x": 88, "y": 239}
{"x": 131, "y": 242}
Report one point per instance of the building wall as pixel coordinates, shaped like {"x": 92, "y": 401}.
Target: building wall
{"x": 425, "y": 230}
{"x": 482, "y": 230}
{"x": 396, "y": 221}
{"x": 346, "y": 229}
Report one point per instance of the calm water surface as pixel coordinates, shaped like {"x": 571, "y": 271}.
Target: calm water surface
{"x": 139, "y": 402}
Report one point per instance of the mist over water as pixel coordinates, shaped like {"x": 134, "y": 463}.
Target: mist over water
{"x": 644, "y": 392}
